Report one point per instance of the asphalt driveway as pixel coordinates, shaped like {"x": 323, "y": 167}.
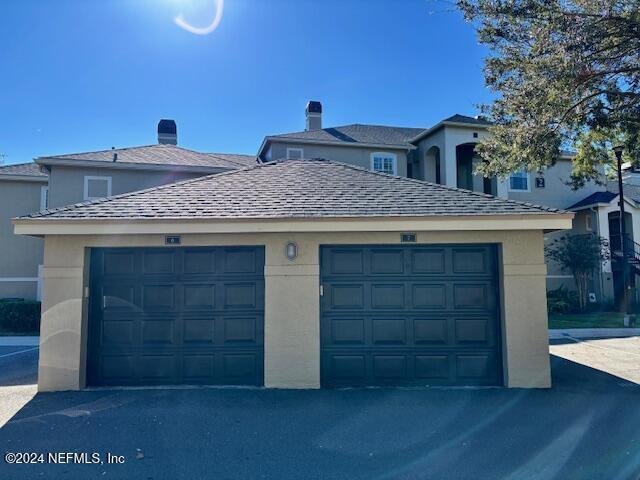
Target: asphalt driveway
{"x": 586, "y": 426}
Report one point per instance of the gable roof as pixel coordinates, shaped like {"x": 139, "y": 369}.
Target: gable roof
{"x": 457, "y": 118}
{"x": 164, "y": 155}
{"x": 24, "y": 171}
{"x": 295, "y": 189}
{"x": 631, "y": 190}
{"x": 356, "y": 134}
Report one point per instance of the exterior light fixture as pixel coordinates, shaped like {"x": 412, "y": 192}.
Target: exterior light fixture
{"x": 291, "y": 251}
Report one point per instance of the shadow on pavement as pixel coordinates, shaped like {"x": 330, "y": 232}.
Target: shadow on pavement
{"x": 586, "y": 426}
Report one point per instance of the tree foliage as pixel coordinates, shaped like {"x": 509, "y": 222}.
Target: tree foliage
{"x": 567, "y": 76}
{"x": 580, "y": 255}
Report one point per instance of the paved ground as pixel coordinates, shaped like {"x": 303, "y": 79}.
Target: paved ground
{"x": 587, "y": 426}
{"x": 18, "y": 378}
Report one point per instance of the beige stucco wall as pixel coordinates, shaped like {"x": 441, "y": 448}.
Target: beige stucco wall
{"x": 292, "y": 310}
{"x": 19, "y": 256}
{"x": 359, "y": 156}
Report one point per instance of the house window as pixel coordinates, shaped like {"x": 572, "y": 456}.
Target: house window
{"x": 96, "y": 187}
{"x": 587, "y": 223}
{"x": 44, "y": 197}
{"x": 295, "y": 153}
{"x": 384, "y": 162}
{"x": 519, "y": 181}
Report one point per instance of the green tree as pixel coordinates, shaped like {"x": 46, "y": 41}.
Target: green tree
{"x": 579, "y": 255}
{"x": 566, "y": 74}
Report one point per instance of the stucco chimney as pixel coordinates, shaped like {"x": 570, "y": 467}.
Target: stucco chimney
{"x": 167, "y": 132}
{"x": 314, "y": 115}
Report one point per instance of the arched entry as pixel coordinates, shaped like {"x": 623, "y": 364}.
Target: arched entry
{"x": 467, "y": 161}
{"x": 432, "y": 168}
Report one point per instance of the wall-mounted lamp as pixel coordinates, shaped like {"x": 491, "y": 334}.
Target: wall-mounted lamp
{"x": 291, "y": 250}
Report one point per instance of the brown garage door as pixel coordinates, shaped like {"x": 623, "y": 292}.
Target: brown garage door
{"x": 410, "y": 315}
{"x": 176, "y": 316}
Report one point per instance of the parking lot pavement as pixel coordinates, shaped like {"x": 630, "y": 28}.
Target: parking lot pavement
{"x": 615, "y": 356}
{"x": 586, "y": 427}
{"x": 18, "y": 379}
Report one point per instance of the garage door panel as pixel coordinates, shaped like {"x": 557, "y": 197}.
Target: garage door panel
{"x": 429, "y": 296}
{"x": 201, "y": 297}
{"x": 428, "y": 261}
{"x": 154, "y": 327}
{"x": 158, "y": 262}
{"x": 118, "y": 263}
{"x": 158, "y": 297}
{"x": 430, "y": 331}
{"x": 433, "y": 321}
{"x": 387, "y": 261}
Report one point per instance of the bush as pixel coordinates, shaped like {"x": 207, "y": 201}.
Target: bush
{"x": 562, "y": 300}
{"x": 19, "y": 316}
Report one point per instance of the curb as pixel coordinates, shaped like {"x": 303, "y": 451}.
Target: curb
{"x": 558, "y": 334}
{"x": 18, "y": 341}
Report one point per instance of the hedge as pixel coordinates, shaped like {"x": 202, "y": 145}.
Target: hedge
{"x": 19, "y": 316}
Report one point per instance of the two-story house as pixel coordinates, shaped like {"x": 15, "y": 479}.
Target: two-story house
{"x": 54, "y": 181}
{"x": 445, "y": 154}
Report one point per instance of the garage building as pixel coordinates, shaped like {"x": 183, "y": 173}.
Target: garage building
{"x": 294, "y": 274}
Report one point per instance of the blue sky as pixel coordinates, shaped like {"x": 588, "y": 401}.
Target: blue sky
{"x": 81, "y": 75}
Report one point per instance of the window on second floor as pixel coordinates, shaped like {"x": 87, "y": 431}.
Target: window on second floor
{"x": 519, "y": 181}
{"x": 384, "y": 162}
{"x": 295, "y": 153}
{"x": 96, "y": 187}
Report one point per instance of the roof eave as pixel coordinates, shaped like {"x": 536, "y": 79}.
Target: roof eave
{"x": 46, "y": 161}
{"x": 162, "y": 226}
{"x": 446, "y": 123}
{"x": 24, "y": 178}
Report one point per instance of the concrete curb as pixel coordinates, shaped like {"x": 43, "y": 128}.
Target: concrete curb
{"x": 558, "y": 334}
{"x": 19, "y": 341}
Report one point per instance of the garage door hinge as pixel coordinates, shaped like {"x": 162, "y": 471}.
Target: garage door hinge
{"x": 321, "y": 290}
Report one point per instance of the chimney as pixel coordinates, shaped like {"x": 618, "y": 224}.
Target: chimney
{"x": 167, "y": 132}
{"x": 314, "y": 115}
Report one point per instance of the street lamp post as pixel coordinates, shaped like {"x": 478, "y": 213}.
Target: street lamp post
{"x": 623, "y": 238}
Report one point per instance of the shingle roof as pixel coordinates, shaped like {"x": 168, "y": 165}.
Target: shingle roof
{"x": 295, "y": 189}
{"x": 160, "y": 154}
{"x": 357, "y": 133}
{"x": 594, "y": 198}
{"x": 631, "y": 191}
{"x": 457, "y": 118}
{"x": 244, "y": 160}
{"x": 30, "y": 169}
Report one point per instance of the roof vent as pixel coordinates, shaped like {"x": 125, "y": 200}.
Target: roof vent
{"x": 313, "y": 113}
{"x": 167, "y": 132}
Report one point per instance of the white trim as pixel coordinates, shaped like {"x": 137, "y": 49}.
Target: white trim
{"x": 385, "y": 155}
{"x": 518, "y": 189}
{"x": 124, "y": 166}
{"x": 290, "y": 150}
{"x": 306, "y": 141}
{"x": 24, "y": 178}
{"x": 18, "y": 279}
{"x": 87, "y": 178}
{"x": 44, "y": 197}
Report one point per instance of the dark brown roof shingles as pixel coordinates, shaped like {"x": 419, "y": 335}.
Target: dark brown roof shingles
{"x": 295, "y": 189}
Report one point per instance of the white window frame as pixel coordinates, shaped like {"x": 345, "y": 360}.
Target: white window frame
{"x": 44, "y": 197}
{"x": 289, "y": 150}
{"x": 385, "y": 155}
{"x": 88, "y": 178}
{"x": 527, "y": 175}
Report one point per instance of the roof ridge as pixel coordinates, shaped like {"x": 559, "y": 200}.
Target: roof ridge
{"x": 162, "y": 145}
{"x": 17, "y": 164}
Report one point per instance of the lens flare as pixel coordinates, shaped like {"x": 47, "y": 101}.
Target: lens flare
{"x": 182, "y": 23}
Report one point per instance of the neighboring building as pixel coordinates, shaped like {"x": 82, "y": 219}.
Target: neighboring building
{"x": 23, "y": 189}
{"x": 59, "y": 180}
{"x": 295, "y": 274}
{"x": 444, "y": 154}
